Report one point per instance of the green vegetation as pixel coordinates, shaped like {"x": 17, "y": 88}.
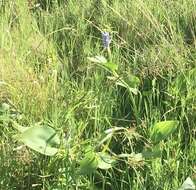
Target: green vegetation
{"x": 75, "y": 115}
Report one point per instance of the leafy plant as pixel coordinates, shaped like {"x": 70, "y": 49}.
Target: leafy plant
{"x": 129, "y": 81}
{"x": 162, "y": 130}
{"x": 95, "y": 160}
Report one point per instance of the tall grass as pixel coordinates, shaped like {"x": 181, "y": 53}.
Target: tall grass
{"x": 45, "y": 77}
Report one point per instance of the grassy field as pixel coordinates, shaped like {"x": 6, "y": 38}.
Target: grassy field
{"x": 123, "y": 116}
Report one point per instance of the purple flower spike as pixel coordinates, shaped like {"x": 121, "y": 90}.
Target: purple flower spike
{"x": 106, "y": 39}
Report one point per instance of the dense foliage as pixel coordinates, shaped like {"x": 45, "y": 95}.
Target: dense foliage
{"x": 97, "y": 94}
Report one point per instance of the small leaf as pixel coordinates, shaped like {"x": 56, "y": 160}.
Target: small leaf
{"x": 187, "y": 185}
{"x": 42, "y": 139}
{"x": 114, "y": 129}
{"x": 153, "y": 152}
{"x": 5, "y": 107}
{"x": 105, "y": 161}
{"x": 137, "y": 157}
{"x": 111, "y": 66}
{"x": 125, "y": 85}
{"x": 88, "y": 164}
{"x": 162, "y": 130}
{"x": 132, "y": 81}
{"x": 97, "y": 59}
{"x": 133, "y": 157}
{"x": 100, "y": 59}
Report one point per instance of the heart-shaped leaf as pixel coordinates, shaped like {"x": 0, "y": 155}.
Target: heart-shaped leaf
{"x": 162, "y": 130}
{"x": 42, "y": 139}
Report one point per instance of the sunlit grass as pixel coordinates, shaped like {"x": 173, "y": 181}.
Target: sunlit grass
{"x": 46, "y": 77}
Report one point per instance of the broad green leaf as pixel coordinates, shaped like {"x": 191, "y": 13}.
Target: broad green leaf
{"x": 19, "y": 127}
{"x": 88, "y": 164}
{"x": 162, "y": 130}
{"x": 111, "y": 66}
{"x": 132, "y": 81}
{"x": 42, "y": 139}
{"x": 105, "y": 161}
{"x": 125, "y": 85}
{"x": 97, "y": 59}
{"x": 100, "y": 59}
